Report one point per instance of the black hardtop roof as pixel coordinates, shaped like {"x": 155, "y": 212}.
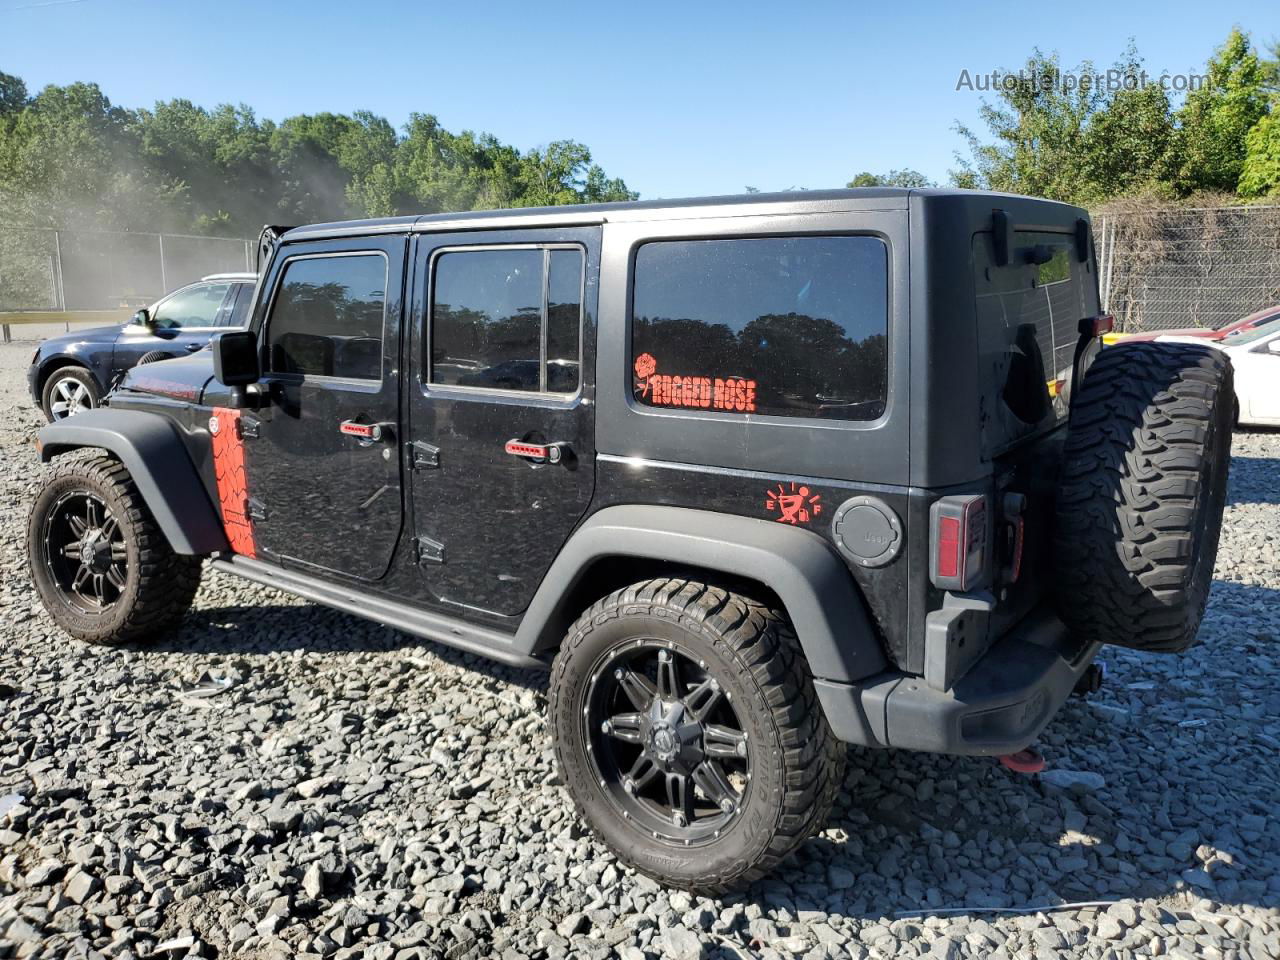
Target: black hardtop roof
{"x": 799, "y": 201}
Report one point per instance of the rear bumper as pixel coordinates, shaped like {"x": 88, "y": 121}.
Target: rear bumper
{"x": 999, "y": 706}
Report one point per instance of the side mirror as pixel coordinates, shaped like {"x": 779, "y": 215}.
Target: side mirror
{"x": 235, "y": 358}
{"x": 142, "y": 318}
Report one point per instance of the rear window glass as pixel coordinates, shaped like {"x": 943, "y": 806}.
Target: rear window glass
{"x": 327, "y": 317}
{"x": 780, "y": 326}
{"x": 1029, "y": 312}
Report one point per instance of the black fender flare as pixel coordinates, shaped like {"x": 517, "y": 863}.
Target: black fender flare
{"x": 152, "y": 451}
{"x": 819, "y": 594}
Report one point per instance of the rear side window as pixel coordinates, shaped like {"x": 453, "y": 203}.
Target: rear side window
{"x": 507, "y": 319}
{"x": 235, "y": 310}
{"x": 781, "y": 326}
{"x": 327, "y": 317}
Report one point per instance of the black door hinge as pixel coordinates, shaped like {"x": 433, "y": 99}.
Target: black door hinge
{"x": 255, "y": 509}
{"x": 248, "y": 429}
{"x": 427, "y": 550}
{"x": 424, "y": 456}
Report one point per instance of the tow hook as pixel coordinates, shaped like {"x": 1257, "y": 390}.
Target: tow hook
{"x": 1090, "y": 681}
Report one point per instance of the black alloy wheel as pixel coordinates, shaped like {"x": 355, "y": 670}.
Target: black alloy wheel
{"x": 666, "y": 742}
{"x": 85, "y": 552}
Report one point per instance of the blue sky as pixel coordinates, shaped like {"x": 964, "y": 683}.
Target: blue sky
{"x": 679, "y": 99}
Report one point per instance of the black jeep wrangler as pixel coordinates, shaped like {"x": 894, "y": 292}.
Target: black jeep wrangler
{"x": 755, "y": 476}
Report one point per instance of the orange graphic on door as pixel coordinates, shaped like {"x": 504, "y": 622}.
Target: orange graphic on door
{"x": 228, "y": 468}
{"x": 795, "y": 505}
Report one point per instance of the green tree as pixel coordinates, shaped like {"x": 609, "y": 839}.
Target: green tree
{"x": 13, "y": 94}
{"x": 1130, "y": 138}
{"x": 1039, "y": 123}
{"x": 563, "y": 173}
{"x": 69, "y": 156}
{"x": 1260, "y": 175}
{"x": 894, "y": 178}
{"x": 1216, "y": 118}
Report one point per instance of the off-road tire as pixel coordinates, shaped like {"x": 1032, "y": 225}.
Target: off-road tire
{"x": 159, "y": 585}
{"x": 1141, "y": 493}
{"x": 79, "y": 378}
{"x": 797, "y": 763}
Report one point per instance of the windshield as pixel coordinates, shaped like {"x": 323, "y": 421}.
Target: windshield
{"x": 1242, "y": 337}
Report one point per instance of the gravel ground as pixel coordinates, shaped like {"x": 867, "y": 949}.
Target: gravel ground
{"x": 357, "y": 793}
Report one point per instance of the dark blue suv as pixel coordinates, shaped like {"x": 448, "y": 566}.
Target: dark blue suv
{"x": 73, "y": 372}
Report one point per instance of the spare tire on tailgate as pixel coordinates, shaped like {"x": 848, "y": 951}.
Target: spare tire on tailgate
{"x": 1140, "y": 496}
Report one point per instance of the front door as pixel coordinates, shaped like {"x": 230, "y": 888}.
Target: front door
{"x": 500, "y": 415}
{"x": 322, "y": 454}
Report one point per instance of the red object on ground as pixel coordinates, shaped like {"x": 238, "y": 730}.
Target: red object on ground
{"x": 1024, "y": 761}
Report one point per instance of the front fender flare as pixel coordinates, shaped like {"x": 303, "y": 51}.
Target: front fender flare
{"x": 149, "y": 447}
{"x": 814, "y": 585}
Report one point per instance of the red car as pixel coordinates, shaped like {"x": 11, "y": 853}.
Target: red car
{"x": 1247, "y": 323}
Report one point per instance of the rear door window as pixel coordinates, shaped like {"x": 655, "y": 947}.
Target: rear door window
{"x": 776, "y": 326}
{"x": 507, "y": 319}
{"x": 235, "y": 310}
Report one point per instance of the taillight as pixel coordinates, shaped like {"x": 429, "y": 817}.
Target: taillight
{"x": 959, "y": 539}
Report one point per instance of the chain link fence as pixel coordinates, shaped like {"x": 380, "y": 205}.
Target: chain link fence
{"x": 1174, "y": 267}
{"x": 80, "y": 274}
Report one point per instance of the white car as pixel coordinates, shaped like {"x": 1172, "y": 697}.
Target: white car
{"x": 1255, "y": 354}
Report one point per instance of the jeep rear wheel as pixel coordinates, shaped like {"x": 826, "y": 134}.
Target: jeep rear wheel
{"x": 688, "y": 732}
{"x": 1140, "y": 498}
{"x": 102, "y": 568}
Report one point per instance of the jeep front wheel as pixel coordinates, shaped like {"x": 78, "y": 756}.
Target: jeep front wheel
{"x": 102, "y": 568}
{"x": 689, "y": 735}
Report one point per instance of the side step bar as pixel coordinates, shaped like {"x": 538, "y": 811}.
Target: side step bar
{"x": 482, "y": 641}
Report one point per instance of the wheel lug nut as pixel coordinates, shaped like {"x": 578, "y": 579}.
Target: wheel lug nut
{"x": 606, "y": 727}
{"x": 742, "y": 749}
{"x": 618, "y": 674}
{"x": 629, "y": 785}
{"x": 678, "y": 819}
{"x": 726, "y": 805}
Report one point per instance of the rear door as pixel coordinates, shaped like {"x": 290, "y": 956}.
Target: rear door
{"x": 500, "y": 409}
{"x": 322, "y": 455}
